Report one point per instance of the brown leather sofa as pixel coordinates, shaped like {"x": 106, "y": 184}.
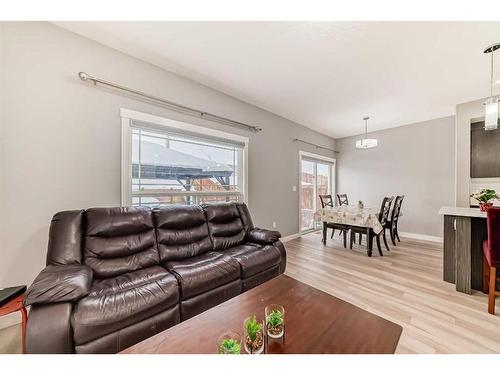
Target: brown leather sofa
{"x": 116, "y": 276}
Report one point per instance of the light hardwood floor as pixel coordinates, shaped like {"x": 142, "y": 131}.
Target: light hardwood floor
{"x": 404, "y": 286}
{"x": 10, "y": 340}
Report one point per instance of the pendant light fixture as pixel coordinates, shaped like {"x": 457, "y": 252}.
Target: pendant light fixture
{"x": 366, "y": 142}
{"x": 491, "y": 105}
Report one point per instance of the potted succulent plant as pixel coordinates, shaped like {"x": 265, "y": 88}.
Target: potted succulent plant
{"x": 229, "y": 343}
{"x": 484, "y": 197}
{"x": 275, "y": 321}
{"x": 254, "y": 336}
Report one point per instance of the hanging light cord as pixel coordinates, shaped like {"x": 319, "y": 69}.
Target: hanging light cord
{"x": 491, "y": 75}
{"x": 366, "y": 128}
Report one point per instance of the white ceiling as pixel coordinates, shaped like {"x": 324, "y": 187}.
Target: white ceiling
{"x": 324, "y": 75}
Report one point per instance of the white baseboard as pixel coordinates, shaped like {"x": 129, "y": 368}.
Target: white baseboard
{"x": 290, "y": 237}
{"x": 414, "y": 236}
{"x": 423, "y": 237}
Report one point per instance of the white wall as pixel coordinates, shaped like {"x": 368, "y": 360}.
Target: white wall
{"x": 414, "y": 160}
{"x": 60, "y": 138}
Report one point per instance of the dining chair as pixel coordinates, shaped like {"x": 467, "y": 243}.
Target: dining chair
{"x": 491, "y": 257}
{"x": 327, "y": 201}
{"x": 342, "y": 198}
{"x": 392, "y": 223}
{"x": 383, "y": 216}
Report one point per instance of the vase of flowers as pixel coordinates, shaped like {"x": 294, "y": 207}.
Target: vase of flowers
{"x": 229, "y": 343}
{"x": 254, "y": 336}
{"x": 484, "y": 197}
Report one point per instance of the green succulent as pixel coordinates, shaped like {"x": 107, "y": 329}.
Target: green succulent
{"x": 275, "y": 318}
{"x": 229, "y": 346}
{"x": 485, "y": 195}
{"x": 253, "y": 327}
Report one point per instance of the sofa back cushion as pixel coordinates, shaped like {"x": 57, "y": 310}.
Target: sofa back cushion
{"x": 224, "y": 225}
{"x": 65, "y": 238}
{"x": 246, "y": 219}
{"x": 182, "y": 232}
{"x": 119, "y": 240}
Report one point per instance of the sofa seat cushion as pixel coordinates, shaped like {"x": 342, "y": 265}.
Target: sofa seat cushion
{"x": 254, "y": 258}
{"x": 117, "y": 302}
{"x": 204, "y": 272}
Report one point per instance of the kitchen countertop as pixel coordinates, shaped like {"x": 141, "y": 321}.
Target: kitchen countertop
{"x": 462, "y": 211}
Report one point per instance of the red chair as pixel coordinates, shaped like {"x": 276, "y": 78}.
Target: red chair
{"x": 491, "y": 258}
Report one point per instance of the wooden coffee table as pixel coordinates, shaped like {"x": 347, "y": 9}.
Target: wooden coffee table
{"x": 316, "y": 322}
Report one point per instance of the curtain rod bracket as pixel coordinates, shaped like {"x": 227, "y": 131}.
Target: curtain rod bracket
{"x": 170, "y": 105}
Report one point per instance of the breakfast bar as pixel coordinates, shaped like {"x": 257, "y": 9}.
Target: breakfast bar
{"x": 464, "y": 232}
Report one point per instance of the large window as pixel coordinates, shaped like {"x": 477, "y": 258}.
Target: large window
{"x": 169, "y": 162}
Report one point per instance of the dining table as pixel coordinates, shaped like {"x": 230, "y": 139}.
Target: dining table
{"x": 364, "y": 217}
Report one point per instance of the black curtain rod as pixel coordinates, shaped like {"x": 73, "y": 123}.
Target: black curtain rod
{"x": 315, "y": 145}
{"x": 170, "y": 105}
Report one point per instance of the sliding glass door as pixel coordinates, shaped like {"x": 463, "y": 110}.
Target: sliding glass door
{"x": 316, "y": 178}
{"x": 307, "y": 194}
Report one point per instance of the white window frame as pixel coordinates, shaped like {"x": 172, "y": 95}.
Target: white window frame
{"x": 128, "y": 115}
{"x": 333, "y": 176}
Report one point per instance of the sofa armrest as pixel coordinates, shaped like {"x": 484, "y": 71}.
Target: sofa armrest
{"x": 61, "y": 283}
{"x": 263, "y": 236}
{"x": 279, "y": 245}
{"x": 49, "y": 330}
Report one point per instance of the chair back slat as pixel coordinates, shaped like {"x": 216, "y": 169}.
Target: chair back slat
{"x": 342, "y": 198}
{"x": 396, "y": 209}
{"x": 326, "y": 200}
{"x": 384, "y": 210}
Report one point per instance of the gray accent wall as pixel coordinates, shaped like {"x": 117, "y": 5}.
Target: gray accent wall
{"x": 60, "y": 138}
{"x": 416, "y": 160}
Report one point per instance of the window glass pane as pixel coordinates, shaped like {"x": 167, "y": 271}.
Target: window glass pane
{"x": 316, "y": 180}
{"x": 182, "y": 167}
{"x": 307, "y": 194}
{"x": 158, "y": 201}
{"x": 323, "y": 181}
{"x": 218, "y": 198}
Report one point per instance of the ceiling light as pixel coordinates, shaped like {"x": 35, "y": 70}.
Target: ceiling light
{"x": 491, "y": 105}
{"x": 366, "y": 142}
